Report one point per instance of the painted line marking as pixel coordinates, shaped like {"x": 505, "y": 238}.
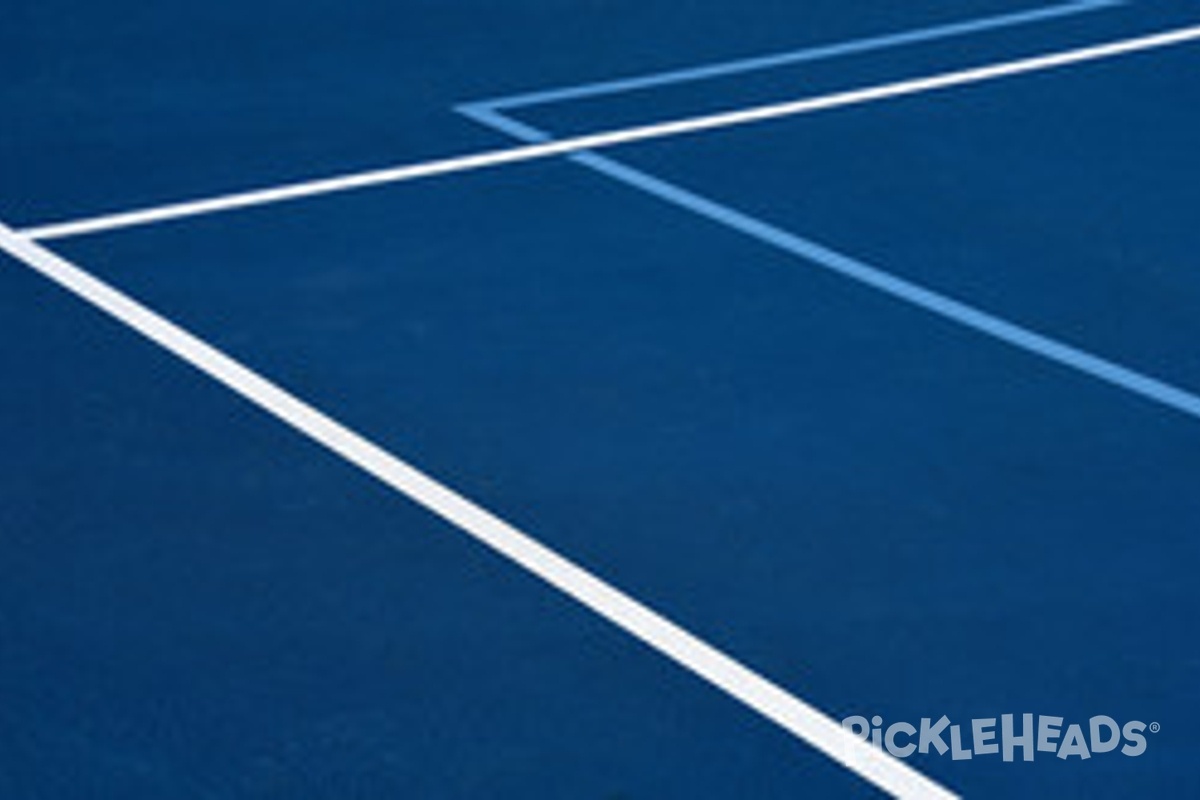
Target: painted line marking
{"x": 793, "y": 57}
{"x": 641, "y": 133}
{"x": 660, "y": 633}
{"x": 914, "y": 294}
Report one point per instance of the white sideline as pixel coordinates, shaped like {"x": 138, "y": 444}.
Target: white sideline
{"x": 660, "y": 633}
{"x": 605, "y": 139}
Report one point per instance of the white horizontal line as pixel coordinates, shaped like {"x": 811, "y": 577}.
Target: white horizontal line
{"x": 668, "y": 638}
{"x": 612, "y": 138}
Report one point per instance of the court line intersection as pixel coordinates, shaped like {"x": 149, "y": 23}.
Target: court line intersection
{"x": 714, "y": 666}
{"x": 612, "y": 138}
{"x": 668, "y": 638}
{"x": 497, "y": 114}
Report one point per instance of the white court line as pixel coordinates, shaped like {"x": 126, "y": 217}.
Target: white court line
{"x": 668, "y": 638}
{"x": 605, "y": 139}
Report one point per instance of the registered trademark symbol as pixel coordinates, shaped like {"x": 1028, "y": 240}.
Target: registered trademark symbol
{"x": 1155, "y": 727}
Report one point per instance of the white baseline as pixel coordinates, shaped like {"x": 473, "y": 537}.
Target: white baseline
{"x": 595, "y": 141}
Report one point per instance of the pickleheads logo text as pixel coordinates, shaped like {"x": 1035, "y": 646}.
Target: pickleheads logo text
{"x": 1033, "y": 734}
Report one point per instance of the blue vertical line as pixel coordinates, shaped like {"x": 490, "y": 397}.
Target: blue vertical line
{"x": 906, "y": 291}
{"x": 804, "y": 55}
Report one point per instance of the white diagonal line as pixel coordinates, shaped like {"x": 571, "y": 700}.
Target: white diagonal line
{"x": 595, "y": 141}
{"x": 660, "y": 633}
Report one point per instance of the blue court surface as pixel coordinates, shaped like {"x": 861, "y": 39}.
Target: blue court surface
{"x": 618, "y": 472}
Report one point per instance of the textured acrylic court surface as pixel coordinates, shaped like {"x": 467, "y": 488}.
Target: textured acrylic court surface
{"x": 882, "y": 511}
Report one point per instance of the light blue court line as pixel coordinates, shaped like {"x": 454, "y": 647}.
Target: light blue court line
{"x": 791, "y": 57}
{"x": 443, "y": 166}
{"x": 906, "y": 291}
